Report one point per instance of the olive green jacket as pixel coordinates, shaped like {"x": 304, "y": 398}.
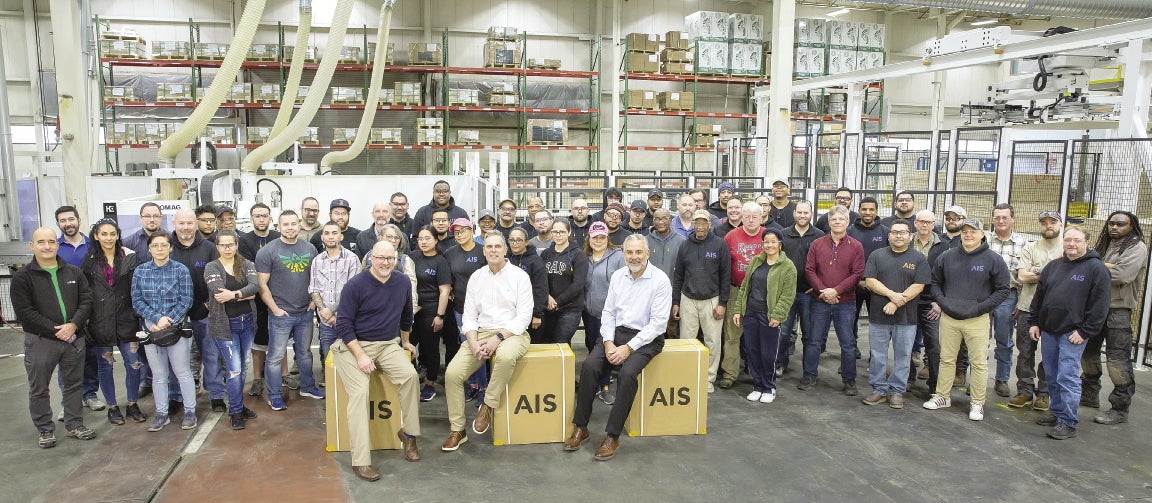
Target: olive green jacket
{"x": 781, "y": 286}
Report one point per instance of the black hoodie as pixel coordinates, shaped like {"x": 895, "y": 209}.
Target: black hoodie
{"x": 567, "y": 276}
{"x": 1072, "y": 295}
{"x": 531, "y": 263}
{"x": 195, "y": 257}
{"x": 703, "y": 269}
{"x": 716, "y": 210}
{"x": 969, "y": 284}
{"x": 424, "y": 215}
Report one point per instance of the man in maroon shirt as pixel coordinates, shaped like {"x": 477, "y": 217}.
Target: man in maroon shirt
{"x": 835, "y": 264}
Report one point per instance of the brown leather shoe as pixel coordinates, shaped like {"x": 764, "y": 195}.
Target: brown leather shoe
{"x": 408, "y": 443}
{"x": 367, "y": 473}
{"x": 455, "y": 439}
{"x": 578, "y": 438}
{"x": 483, "y": 419}
{"x": 607, "y": 449}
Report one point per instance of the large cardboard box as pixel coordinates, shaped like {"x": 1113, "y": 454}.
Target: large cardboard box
{"x": 643, "y": 42}
{"x": 707, "y": 25}
{"x": 643, "y": 62}
{"x": 746, "y": 27}
{"x": 672, "y": 398}
{"x": 672, "y": 100}
{"x": 712, "y": 57}
{"x": 746, "y": 59}
{"x": 547, "y": 131}
{"x": 421, "y": 53}
{"x": 498, "y": 53}
{"x": 383, "y": 409}
{"x": 640, "y": 99}
{"x": 676, "y": 40}
{"x": 539, "y": 399}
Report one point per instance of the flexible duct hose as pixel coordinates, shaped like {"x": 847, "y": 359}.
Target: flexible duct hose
{"x": 218, "y": 91}
{"x": 339, "y": 156}
{"x": 295, "y": 71}
{"x": 320, "y": 83}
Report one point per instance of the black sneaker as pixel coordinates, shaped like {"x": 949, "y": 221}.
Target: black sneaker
{"x": 114, "y": 415}
{"x": 805, "y": 383}
{"x": 218, "y": 405}
{"x": 47, "y": 440}
{"x": 133, "y": 412}
{"x": 1062, "y": 432}
{"x": 238, "y": 421}
{"x": 427, "y": 393}
{"x": 1048, "y": 420}
{"x": 850, "y": 387}
{"x": 248, "y": 413}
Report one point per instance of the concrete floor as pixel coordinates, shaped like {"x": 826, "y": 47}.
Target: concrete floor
{"x": 815, "y": 445}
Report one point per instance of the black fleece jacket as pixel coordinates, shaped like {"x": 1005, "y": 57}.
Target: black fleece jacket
{"x": 969, "y": 284}
{"x": 1072, "y": 295}
{"x": 35, "y": 303}
{"x": 195, "y": 257}
{"x": 531, "y": 263}
{"x": 703, "y": 269}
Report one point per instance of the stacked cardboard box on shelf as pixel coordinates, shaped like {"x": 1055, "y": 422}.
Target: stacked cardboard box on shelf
{"x": 310, "y": 136}
{"x": 709, "y": 33}
{"x": 120, "y": 132}
{"x": 711, "y": 57}
{"x": 643, "y": 62}
{"x": 543, "y": 64}
{"x": 120, "y": 93}
{"x": 171, "y": 49}
{"x": 172, "y": 92}
{"x": 385, "y": 136}
{"x": 348, "y": 95}
{"x": 677, "y": 57}
{"x": 311, "y": 55}
{"x": 150, "y": 133}
{"x": 209, "y": 51}
{"x": 425, "y": 53}
{"x": 746, "y": 59}
{"x": 503, "y": 33}
{"x": 258, "y": 135}
{"x": 677, "y": 40}
{"x": 263, "y": 52}
{"x": 301, "y": 94}
{"x": 387, "y": 56}
{"x": 842, "y": 40}
{"x": 503, "y": 94}
{"x": 406, "y": 93}
{"x": 464, "y": 97}
{"x": 266, "y": 93}
{"x": 123, "y": 49}
{"x": 811, "y": 44}
{"x": 547, "y": 132}
{"x": 350, "y": 55}
{"x": 676, "y": 101}
{"x": 429, "y": 131}
{"x": 642, "y": 53}
{"x": 870, "y": 46}
{"x": 502, "y": 54}
{"x": 705, "y": 135}
{"x": 220, "y": 135}
{"x": 343, "y": 135}
{"x": 467, "y": 136}
{"x": 639, "y": 99}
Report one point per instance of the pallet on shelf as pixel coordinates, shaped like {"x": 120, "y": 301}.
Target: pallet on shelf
{"x": 348, "y": 95}
{"x": 126, "y": 34}
{"x": 430, "y": 123}
{"x": 263, "y": 52}
{"x": 547, "y": 131}
{"x": 123, "y": 49}
{"x": 209, "y": 51}
{"x": 467, "y": 137}
{"x": 543, "y": 64}
{"x": 385, "y": 136}
{"x": 173, "y": 92}
{"x": 120, "y": 94}
{"x": 425, "y": 54}
{"x": 683, "y": 101}
{"x": 502, "y": 54}
{"x": 171, "y": 50}
{"x": 463, "y": 97}
{"x": 640, "y": 99}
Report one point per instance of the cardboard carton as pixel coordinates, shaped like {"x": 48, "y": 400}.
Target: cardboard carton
{"x": 540, "y": 397}
{"x": 672, "y": 398}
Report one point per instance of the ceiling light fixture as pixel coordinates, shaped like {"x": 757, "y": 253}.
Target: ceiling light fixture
{"x": 984, "y": 22}
{"x": 839, "y": 12}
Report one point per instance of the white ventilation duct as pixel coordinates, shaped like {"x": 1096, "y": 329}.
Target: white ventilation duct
{"x": 218, "y": 91}
{"x": 296, "y": 70}
{"x": 1112, "y": 9}
{"x": 316, "y": 93}
{"x": 373, "y": 100}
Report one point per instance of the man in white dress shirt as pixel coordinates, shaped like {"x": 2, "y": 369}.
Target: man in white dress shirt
{"x": 634, "y": 319}
{"x": 497, "y": 310}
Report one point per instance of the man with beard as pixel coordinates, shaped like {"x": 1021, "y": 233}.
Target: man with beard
{"x": 796, "y": 243}
{"x": 732, "y": 221}
{"x": 441, "y": 200}
{"x": 780, "y": 212}
{"x": 331, "y": 269}
{"x": 685, "y": 207}
{"x": 463, "y": 259}
{"x": 191, "y": 249}
{"x": 442, "y": 225}
{"x": 535, "y": 205}
{"x": 206, "y": 221}
{"x": 931, "y": 245}
{"x": 1031, "y": 386}
{"x": 612, "y": 195}
{"x": 507, "y": 220}
{"x": 904, "y": 209}
{"x": 542, "y": 221}
{"x": 701, "y": 283}
{"x": 309, "y": 218}
{"x": 72, "y": 247}
{"x": 151, "y": 218}
{"x": 613, "y": 216}
{"x": 655, "y": 201}
{"x": 578, "y": 222}
{"x": 339, "y": 211}
{"x": 719, "y": 208}
{"x": 843, "y": 198}
{"x": 250, "y": 244}
{"x": 400, "y": 217}
{"x": 873, "y": 236}
{"x": 381, "y": 216}
{"x": 1008, "y": 244}
{"x": 953, "y": 215}
{"x": 638, "y": 222}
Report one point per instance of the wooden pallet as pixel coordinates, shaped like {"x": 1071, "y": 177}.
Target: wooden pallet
{"x": 342, "y": 142}
{"x": 712, "y": 74}
{"x": 348, "y": 102}
{"x": 666, "y": 109}
{"x": 423, "y": 63}
{"x": 120, "y": 36}
{"x": 542, "y": 67}
{"x": 122, "y": 55}
{"x": 418, "y": 126}
{"x": 349, "y": 61}
{"x": 546, "y": 143}
{"x": 257, "y": 141}
{"x": 268, "y": 59}
{"x": 678, "y": 73}
{"x": 209, "y": 58}
{"x": 405, "y": 103}
{"x": 383, "y": 142}
{"x": 265, "y": 100}
{"x": 633, "y": 107}
{"x": 171, "y": 57}
{"x": 468, "y": 142}
{"x": 429, "y": 143}
{"x": 463, "y": 103}
{"x": 173, "y": 100}
{"x": 502, "y": 65}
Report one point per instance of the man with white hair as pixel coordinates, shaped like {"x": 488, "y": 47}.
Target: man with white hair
{"x": 744, "y": 243}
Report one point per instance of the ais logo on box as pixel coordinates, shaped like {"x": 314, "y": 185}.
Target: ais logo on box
{"x": 543, "y": 403}
{"x": 673, "y": 397}
{"x": 379, "y": 409}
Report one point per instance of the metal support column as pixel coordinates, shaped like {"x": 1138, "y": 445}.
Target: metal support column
{"x": 776, "y": 160}
{"x": 613, "y": 68}
{"x": 10, "y": 210}
{"x": 1134, "y": 102}
{"x": 77, "y": 131}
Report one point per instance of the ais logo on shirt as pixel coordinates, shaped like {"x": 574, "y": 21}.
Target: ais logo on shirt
{"x": 294, "y": 262}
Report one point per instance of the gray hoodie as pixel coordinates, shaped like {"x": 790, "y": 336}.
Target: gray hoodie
{"x": 599, "y": 275}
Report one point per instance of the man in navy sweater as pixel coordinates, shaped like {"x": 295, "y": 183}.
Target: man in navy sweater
{"x": 373, "y": 322}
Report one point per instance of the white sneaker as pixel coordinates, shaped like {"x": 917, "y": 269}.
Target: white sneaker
{"x": 768, "y": 397}
{"x": 976, "y": 412}
{"x": 754, "y": 396}
{"x": 711, "y": 388}
{"x": 938, "y": 401}
{"x": 94, "y": 403}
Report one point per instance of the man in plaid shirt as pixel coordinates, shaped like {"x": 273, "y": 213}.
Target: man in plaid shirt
{"x": 1009, "y": 245}
{"x": 331, "y": 270}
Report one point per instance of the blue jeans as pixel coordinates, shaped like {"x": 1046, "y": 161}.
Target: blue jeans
{"x": 1062, "y": 368}
{"x": 1004, "y": 330}
{"x": 763, "y": 342}
{"x": 592, "y": 337}
{"x": 561, "y": 324}
{"x": 479, "y": 378}
{"x": 298, "y": 328}
{"x": 825, "y": 315}
{"x": 174, "y": 359}
{"x": 327, "y": 339}
{"x": 105, "y": 359}
{"x": 213, "y": 375}
{"x": 801, "y": 309}
{"x": 885, "y": 380}
{"x": 237, "y": 353}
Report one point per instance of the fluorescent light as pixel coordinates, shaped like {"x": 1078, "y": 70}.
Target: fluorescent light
{"x": 839, "y": 12}
{"x": 984, "y": 22}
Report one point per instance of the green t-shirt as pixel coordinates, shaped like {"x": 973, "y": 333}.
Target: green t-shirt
{"x": 56, "y": 284}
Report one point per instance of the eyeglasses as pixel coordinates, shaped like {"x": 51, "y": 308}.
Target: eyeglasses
{"x": 952, "y": 219}
{"x": 926, "y": 222}
{"x": 394, "y": 203}
{"x": 843, "y": 198}
{"x": 559, "y": 231}
{"x": 159, "y": 246}
{"x": 543, "y": 219}
{"x": 898, "y": 233}
{"x": 905, "y": 200}
{"x": 206, "y": 220}
{"x": 384, "y": 258}
{"x": 574, "y": 208}
{"x": 516, "y": 240}
{"x": 310, "y": 210}
{"x": 227, "y": 219}
{"x": 150, "y": 216}
{"x": 226, "y": 246}
{"x": 1114, "y": 223}
{"x": 661, "y": 218}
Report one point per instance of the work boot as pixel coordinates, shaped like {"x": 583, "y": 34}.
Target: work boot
{"x": 1041, "y": 403}
{"x": 1019, "y": 401}
{"x": 1113, "y": 416}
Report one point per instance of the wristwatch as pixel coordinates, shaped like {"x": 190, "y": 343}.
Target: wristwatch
{"x": 237, "y": 295}
{"x": 500, "y": 336}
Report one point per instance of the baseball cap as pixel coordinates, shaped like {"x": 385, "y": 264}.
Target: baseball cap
{"x": 224, "y": 209}
{"x": 507, "y": 201}
{"x": 971, "y": 222}
{"x": 1054, "y": 215}
{"x": 597, "y": 229}
{"x": 639, "y": 205}
{"x": 655, "y": 193}
{"x": 959, "y": 210}
{"x": 340, "y": 203}
{"x": 486, "y": 213}
{"x": 780, "y": 180}
{"x": 726, "y": 186}
{"x": 618, "y": 207}
{"x": 701, "y": 214}
{"x": 458, "y": 223}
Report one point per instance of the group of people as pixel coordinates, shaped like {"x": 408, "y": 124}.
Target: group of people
{"x": 741, "y": 276}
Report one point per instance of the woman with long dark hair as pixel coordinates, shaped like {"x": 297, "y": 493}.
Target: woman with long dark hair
{"x": 109, "y": 267}
{"x": 232, "y": 286}
{"x": 433, "y": 285}
{"x": 567, "y": 269}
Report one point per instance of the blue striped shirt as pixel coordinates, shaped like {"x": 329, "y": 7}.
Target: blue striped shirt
{"x": 159, "y": 291}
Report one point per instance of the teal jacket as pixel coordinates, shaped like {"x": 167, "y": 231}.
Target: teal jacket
{"x": 781, "y": 286}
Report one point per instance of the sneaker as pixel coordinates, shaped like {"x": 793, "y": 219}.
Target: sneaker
{"x": 133, "y": 412}
{"x": 779, "y": 371}
{"x": 1001, "y": 388}
{"x": 291, "y": 382}
{"x": 805, "y": 383}
{"x": 427, "y": 393}
{"x": 1041, "y": 403}
{"x": 470, "y": 393}
{"x": 896, "y": 400}
{"x": 725, "y": 383}
{"x": 1019, "y": 401}
{"x": 257, "y": 387}
{"x": 82, "y": 432}
{"x": 238, "y": 421}
{"x": 850, "y": 387}
{"x": 312, "y": 393}
{"x": 158, "y": 422}
{"x": 754, "y": 396}
{"x": 248, "y": 413}
{"x": 938, "y": 401}
{"x": 768, "y": 397}
{"x": 189, "y": 420}
{"x": 277, "y": 404}
{"x": 1048, "y": 420}
{"x": 875, "y": 399}
{"x": 607, "y": 396}
{"x": 976, "y": 412}
{"x": 1062, "y": 432}
{"x": 218, "y": 405}
{"x": 1113, "y": 416}
{"x": 114, "y": 415}
{"x": 94, "y": 403}
{"x": 60, "y": 416}
{"x": 47, "y": 440}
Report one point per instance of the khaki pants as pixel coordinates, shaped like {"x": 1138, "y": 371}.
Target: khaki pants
{"x": 697, "y": 315}
{"x": 732, "y": 334}
{"x": 974, "y": 332}
{"x": 465, "y": 363}
{"x": 392, "y": 360}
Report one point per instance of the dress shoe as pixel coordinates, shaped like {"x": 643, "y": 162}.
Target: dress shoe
{"x": 607, "y": 449}
{"x": 578, "y": 438}
{"x": 455, "y": 439}
{"x": 483, "y": 419}
{"x": 408, "y": 443}
{"x": 367, "y": 473}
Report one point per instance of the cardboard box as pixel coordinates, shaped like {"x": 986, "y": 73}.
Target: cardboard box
{"x": 263, "y": 52}
{"x": 640, "y": 99}
{"x": 220, "y": 135}
{"x": 167, "y": 91}
{"x": 120, "y": 93}
{"x": 709, "y": 129}
{"x": 503, "y": 100}
{"x": 309, "y": 136}
{"x": 642, "y": 42}
{"x": 127, "y": 49}
{"x": 539, "y": 399}
{"x": 343, "y": 135}
{"x": 502, "y": 88}
{"x": 867, "y": 60}
{"x": 678, "y": 68}
{"x": 171, "y": 49}
{"x": 711, "y": 57}
{"x": 429, "y": 122}
{"x": 676, "y": 56}
{"x": 406, "y": 93}
{"x": 347, "y": 95}
{"x": 841, "y": 61}
{"x": 464, "y": 97}
{"x": 672, "y": 398}
{"x": 120, "y": 132}
{"x": 842, "y": 34}
{"x": 746, "y": 58}
{"x": 209, "y": 50}
{"x": 502, "y": 54}
{"x": 350, "y": 54}
{"x": 383, "y": 409}
{"x": 643, "y": 62}
{"x": 385, "y": 136}
{"x": 266, "y": 93}
{"x": 707, "y": 25}
{"x": 676, "y": 40}
{"x": 547, "y": 131}
{"x": 429, "y": 136}
{"x": 870, "y": 36}
{"x": 387, "y": 56}
{"x": 467, "y": 136}
{"x": 746, "y": 27}
{"x": 423, "y": 53}
{"x": 676, "y": 100}
{"x": 258, "y": 135}
{"x": 151, "y": 132}
{"x": 240, "y": 92}
{"x": 544, "y": 63}
{"x": 502, "y": 33}
{"x": 811, "y": 32}
{"x": 809, "y": 62}
{"x": 311, "y": 55}
{"x": 387, "y": 96}
{"x": 301, "y": 93}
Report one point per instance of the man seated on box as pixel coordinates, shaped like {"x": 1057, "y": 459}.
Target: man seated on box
{"x": 632, "y": 333}
{"x": 497, "y": 310}
{"x": 373, "y": 322}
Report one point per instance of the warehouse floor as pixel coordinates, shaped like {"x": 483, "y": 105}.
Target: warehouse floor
{"x": 815, "y": 445}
